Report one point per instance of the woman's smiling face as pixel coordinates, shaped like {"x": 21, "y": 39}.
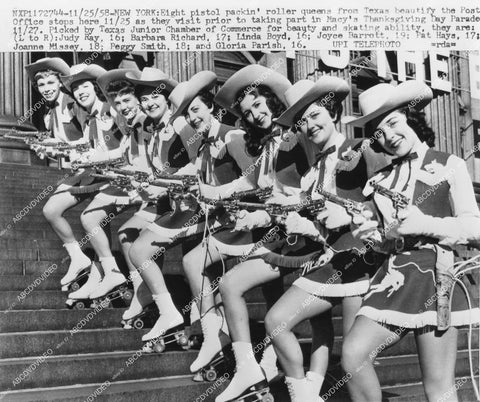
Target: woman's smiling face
{"x": 199, "y": 115}
{"x": 255, "y": 110}
{"x": 84, "y": 93}
{"x": 317, "y": 124}
{"x": 394, "y": 134}
{"x": 153, "y": 103}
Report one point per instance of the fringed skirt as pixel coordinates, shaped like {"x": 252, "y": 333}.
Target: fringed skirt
{"x": 403, "y": 293}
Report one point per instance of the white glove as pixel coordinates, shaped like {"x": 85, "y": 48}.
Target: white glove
{"x": 250, "y": 220}
{"x": 364, "y": 228}
{"x": 298, "y": 225}
{"x": 334, "y": 216}
{"x": 208, "y": 191}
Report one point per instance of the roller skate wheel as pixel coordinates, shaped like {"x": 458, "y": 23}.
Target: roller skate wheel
{"x": 268, "y": 398}
{"x": 159, "y": 347}
{"x": 128, "y": 295}
{"x": 138, "y": 324}
{"x": 210, "y": 375}
{"x": 183, "y": 341}
{"x": 75, "y": 286}
{"x": 80, "y": 305}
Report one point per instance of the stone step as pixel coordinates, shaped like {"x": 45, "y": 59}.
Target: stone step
{"x": 29, "y": 283}
{"x": 50, "y": 320}
{"x": 76, "y": 340}
{"x": 166, "y": 389}
{"x": 49, "y": 370}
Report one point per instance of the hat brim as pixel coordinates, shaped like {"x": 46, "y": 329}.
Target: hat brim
{"x": 416, "y": 96}
{"x": 253, "y": 75}
{"x": 166, "y": 84}
{"x": 196, "y": 84}
{"x": 118, "y": 74}
{"x": 336, "y": 90}
{"x": 92, "y": 72}
{"x": 54, "y": 63}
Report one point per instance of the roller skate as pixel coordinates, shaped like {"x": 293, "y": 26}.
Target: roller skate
{"x": 78, "y": 263}
{"x": 257, "y": 392}
{"x": 78, "y": 282}
{"x": 121, "y": 292}
{"x": 146, "y": 317}
{"x": 301, "y": 390}
{"x": 196, "y": 337}
{"x": 210, "y": 355}
{"x": 112, "y": 287}
{"x": 169, "y": 327}
{"x": 249, "y": 382}
{"x": 80, "y": 298}
{"x": 142, "y": 309}
{"x": 269, "y": 363}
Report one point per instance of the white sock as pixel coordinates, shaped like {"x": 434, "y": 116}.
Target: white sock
{"x": 74, "y": 250}
{"x": 316, "y": 381}
{"x": 109, "y": 265}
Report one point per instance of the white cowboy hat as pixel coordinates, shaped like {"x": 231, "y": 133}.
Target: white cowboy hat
{"x": 250, "y": 76}
{"x": 118, "y": 74}
{"x": 47, "y": 63}
{"x": 80, "y": 72}
{"x": 153, "y": 77}
{"x": 186, "y": 91}
{"x": 384, "y": 98}
{"x": 305, "y": 92}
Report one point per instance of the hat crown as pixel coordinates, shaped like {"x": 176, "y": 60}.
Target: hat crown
{"x": 375, "y": 97}
{"x": 176, "y": 96}
{"x": 297, "y": 91}
{"x": 152, "y": 74}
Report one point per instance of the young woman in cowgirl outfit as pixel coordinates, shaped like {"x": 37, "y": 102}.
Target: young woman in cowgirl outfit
{"x": 220, "y": 160}
{"x": 167, "y": 149}
{"x": 100, "y": 130}
{"x": 341, "y": 167}
{"x": 61, "y": 118}
{"x": 418, "y": 238}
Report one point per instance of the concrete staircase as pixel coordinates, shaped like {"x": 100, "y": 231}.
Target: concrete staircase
{"x": 48, "y": 352}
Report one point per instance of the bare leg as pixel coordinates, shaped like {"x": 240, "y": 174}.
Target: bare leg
{"x": 53, "y": 212}
{"x": 358, "y": 354}
{"x": 235, "y": 283}
{"x": 147, "y": 254}
{"x": 437, "y": 353}
{"x": 350, "y": 307}
{"x": 96, "y": 213}
{"x": 296, "y": 306}
{"x": 194, "y": 263}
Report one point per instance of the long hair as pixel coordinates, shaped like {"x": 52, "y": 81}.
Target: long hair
{"x": 254, "y": 134}
{"x": 416, "y": 120}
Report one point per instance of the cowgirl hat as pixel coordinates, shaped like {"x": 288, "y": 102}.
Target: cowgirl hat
{"x": 186, "y": 91}
{"x": 305, "y": 92}
{"x": 118, "y": 74}
{"x": 81, "y": 72}
{"x": 154, "y": 78}
{"x": 47, "y": 63}
{"x": 250, "y": 76}
{"x": 382, "y": 99}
